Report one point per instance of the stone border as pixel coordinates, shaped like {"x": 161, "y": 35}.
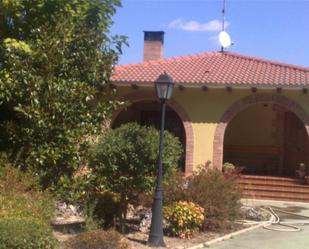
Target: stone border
{"x": 139, "y": 96}
{"x": 244, "y": 103}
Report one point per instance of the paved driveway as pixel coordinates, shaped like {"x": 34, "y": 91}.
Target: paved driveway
{"x": 264, "y": 239}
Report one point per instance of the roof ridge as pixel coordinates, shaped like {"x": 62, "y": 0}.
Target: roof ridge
{"x": 167, "y": 60}
{"x": 272, "y": 62}
{"x": 210, "y": 54}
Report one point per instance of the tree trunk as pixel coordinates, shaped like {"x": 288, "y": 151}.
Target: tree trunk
{"x": 123, "y": 211}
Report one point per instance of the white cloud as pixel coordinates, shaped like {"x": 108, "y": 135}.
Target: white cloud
{"x": 213, "y": 25}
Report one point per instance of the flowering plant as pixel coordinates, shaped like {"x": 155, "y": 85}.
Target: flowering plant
{"x": 184, "y": 218}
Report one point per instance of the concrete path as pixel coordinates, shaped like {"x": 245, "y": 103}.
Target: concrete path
{"x": 264, "y": 239}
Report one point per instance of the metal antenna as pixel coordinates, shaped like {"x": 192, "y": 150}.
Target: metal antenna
{"x": 223, "y": 20}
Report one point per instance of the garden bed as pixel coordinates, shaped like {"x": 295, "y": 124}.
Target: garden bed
{"x": 138, "y": 240}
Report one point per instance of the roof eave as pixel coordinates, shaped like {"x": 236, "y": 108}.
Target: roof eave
{"x": 216, "y": 85}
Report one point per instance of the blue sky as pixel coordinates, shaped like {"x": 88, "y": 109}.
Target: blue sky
{"x": 272, "y": 29}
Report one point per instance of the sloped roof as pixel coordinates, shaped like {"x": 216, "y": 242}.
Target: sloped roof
{"x": 215, "y": 69}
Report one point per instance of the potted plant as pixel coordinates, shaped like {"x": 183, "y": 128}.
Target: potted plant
{"x": 301, "y": 171}
{"x": 307, "y": 179}
{"x": 228, "y": 168}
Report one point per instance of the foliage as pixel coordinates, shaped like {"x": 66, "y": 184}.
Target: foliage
{"x": 56, "y": 62}
{"x": 25, "y": 234}
{"x": 184, "y": 218}
{"x": 97, "y": 240}
{"x": 228, "y": 167}
{"x": 104, "y": 207}
{"x": 125, "y": 161}
{"x": 76, "y": 189}
{"x": 21, "y": 198}
{"x": 218, "y": 195}
{"x": 175, "y": 188}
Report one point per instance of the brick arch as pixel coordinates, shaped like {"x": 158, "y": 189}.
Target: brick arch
{"x": 243, "y": 104}
{"x": 186, "y": 122}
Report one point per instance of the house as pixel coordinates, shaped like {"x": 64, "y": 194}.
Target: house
{"x": 225, "y": 107}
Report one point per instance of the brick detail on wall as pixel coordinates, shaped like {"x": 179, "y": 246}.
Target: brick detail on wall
{"x": 244, "y": 103}
{"x": 139, "y": 96}
{"x": 278, "y": 132}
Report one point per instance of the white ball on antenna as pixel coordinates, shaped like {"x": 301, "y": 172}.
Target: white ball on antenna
{"x": 225, "y": 39}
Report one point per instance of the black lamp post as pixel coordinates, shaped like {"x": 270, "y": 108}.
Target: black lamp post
{"x": 164, "y": 88}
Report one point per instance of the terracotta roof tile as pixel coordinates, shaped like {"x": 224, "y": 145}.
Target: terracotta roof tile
{"x": 215, "y": 68}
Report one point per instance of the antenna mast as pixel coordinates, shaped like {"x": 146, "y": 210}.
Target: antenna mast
{"x": 223, "y": 20}
{"x": 224, "y": 37}
{"x": 223, "y": 15}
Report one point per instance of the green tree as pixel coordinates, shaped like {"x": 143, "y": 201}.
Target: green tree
{"x": 56, "y": 58}
{"x": 125, "y": 161}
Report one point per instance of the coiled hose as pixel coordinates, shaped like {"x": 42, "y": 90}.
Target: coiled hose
{"x": 275, "y": 224}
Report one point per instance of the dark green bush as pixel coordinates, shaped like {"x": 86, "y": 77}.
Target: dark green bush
{"x": 24, "y": 234}
{"x": 104, "y": 208}
{"x": 98, "y": 240}
{"x": 125, "y": 161}
{"x": 218, "y": 195}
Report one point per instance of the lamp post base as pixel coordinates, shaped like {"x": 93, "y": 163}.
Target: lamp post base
{"x": 156, "y": 241}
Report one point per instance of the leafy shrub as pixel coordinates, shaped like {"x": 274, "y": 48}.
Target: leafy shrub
{"x": 125, "y": 161}
{"x": 218, "y": 195}
{"x": 25, "y": 234}
{"x": 175, "y": 188}
{"x": 184, "y": 218}
{"x": 74, "y": 189}
{"x": 97, "y": 240}
{"x": 21, "y": 198}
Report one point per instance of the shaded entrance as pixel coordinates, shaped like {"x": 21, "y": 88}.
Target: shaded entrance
{"x": 266, "y": 139}
{"x": 148, "y": 113}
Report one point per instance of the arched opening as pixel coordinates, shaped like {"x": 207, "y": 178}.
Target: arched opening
{"x": 266, "y": 139}
{"x": 147, "y": 113}
{"x": 265, "y": 133}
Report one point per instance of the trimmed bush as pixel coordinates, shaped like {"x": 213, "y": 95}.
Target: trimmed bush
{"x": 24, "y": 234}
{"x": 184, "y": 218}
{"x": 125, "y": 161}
{"x": 98, "y": 240}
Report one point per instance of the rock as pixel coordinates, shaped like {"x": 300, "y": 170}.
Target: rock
{"x": 63, "y": 210}
{"x": 68, "y": 218}
{"x": 145, "y": 221}
{"x": 131, "y": 212}
{"x": 249, "y": 213}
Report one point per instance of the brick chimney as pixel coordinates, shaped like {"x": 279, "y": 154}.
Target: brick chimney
{"x": 153, "y": 45}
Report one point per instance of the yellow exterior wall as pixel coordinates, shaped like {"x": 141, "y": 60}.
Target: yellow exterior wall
{"x": 205, "y": 109}
{"x": 253, "y": 126}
